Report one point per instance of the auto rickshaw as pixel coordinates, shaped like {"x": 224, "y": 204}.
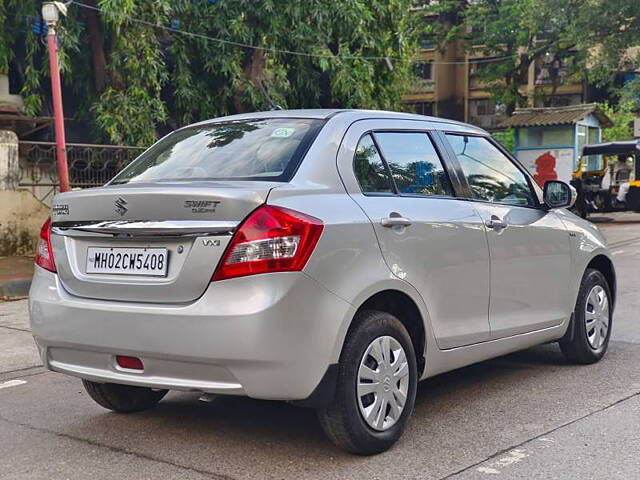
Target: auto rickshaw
{"x": 615, "y": 185}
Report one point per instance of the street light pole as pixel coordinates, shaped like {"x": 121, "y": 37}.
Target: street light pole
{"x": 50, "y": 14}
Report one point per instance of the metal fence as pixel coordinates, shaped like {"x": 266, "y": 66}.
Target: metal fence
{"x": 89, "y": 165}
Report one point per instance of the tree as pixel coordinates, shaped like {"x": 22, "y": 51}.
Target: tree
{"x": 507, "y": 138}
{"x": 135, "y": 78}
{"x": 621, "y": 116}
{"x": 597, "y": 35}
{"x": 610, "y": 31}
{"x": 518, "y": 33}
{"x": 449, "y": 16}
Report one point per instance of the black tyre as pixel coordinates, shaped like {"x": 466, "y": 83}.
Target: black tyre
{"x": 376, "y": 386}
{"x": 123, "y": 398}
{"x": 581, "y": 209}
{"x": 593, "y": 319}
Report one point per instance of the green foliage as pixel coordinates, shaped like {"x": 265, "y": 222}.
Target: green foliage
{"x": 519, "y": 32}
{"x": 622, "y": 117}
{"x": 607, "y": 29}
{"x": 507, "y": 138}
{"x": 26, "y": 54}
{"x": 630, "y": 94}
{"x": 595, "y": 34}
{"x": 129, "y": 117}
{"x": 157, "y": 78}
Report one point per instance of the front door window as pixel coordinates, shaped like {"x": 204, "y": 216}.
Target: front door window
{"x": 491, "y": 175}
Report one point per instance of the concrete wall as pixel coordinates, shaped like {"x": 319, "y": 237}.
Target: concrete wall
{"x": 21, "y": 217}
{"x": 21, "y": 214}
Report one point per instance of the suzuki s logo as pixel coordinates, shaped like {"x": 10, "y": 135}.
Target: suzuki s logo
{"x": 121, "y": 206}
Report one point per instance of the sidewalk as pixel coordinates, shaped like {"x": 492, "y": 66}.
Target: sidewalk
{"x": 15, "y": 276}
{"x": 18, "y": 351}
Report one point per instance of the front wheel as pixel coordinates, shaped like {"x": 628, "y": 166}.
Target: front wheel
{"x": 376, "y": 386}
{"x": 592, "y": 319}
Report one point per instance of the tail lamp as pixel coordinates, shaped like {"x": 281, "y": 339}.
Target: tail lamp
{"x": 44, "y": 252}
{"x": 271, "y": 239}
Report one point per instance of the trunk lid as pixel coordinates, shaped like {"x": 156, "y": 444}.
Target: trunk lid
{"x": 193, "y": 221}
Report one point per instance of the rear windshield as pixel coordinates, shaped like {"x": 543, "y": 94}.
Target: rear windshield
{"x": 266, "y": 149}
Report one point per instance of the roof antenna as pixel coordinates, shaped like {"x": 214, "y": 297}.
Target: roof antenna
{"x": 272, "y": 104}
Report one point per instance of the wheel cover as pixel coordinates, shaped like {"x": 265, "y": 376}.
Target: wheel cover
{"x": 382, "y": 383}
{"x": 596, "y": 317}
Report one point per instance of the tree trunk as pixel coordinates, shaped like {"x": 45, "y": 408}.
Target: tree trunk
{"x": 253, "y": 73}
{"x": 97, "y": 49}
{"x": 326, "y": 97}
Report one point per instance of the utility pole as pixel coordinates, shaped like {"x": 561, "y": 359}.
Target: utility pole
{"x": 51, "y": 14}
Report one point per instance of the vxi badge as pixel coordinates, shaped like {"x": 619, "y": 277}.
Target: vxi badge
{"x": 201, "y": 206}
{"x": 210, "y": 242}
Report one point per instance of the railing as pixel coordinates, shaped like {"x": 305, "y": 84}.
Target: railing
{"x": 89, "y": 165}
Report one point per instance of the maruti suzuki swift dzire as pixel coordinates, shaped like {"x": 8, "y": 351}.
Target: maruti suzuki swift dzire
{"x": 329, "y": 258}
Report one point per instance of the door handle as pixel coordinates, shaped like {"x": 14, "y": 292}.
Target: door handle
{"x": 496, "y": 223}
{"x": 393, "y": 221}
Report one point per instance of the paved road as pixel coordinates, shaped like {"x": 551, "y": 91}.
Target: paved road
{"x": 525, "y": 415}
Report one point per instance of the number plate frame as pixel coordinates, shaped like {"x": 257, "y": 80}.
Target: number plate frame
{"x": 143, "y": 258}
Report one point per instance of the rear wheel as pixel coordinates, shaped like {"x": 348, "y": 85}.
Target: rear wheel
{"x": 123, "y": 398}
{"x": 592, "y": 320}
{"x": 376, "y": 386}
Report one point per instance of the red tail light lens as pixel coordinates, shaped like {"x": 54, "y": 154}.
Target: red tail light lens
{"x": 271, "y": 239}
{"x": 131, "y": 363}
{"x": 44, "y": 252}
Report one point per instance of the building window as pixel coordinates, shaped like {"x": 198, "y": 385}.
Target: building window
{"x": 423, "y": 70}
{"x": 486, "y": 113}
{"x": 559, "y": 100}
{"x": 551, "y": 69}
{"x": 476, "y": 67}
{"x": 482, "y": 107}
{"x": 428, "y": 41}
{"x": 421, "y": 108}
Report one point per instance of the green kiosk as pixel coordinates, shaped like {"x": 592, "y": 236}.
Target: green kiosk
{"x": 549, "y": 141}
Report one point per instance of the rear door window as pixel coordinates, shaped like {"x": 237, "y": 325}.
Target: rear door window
{"x": 265, "y": 149}
{"x": 371, "y": 172}
{"x": 415, "y": 165}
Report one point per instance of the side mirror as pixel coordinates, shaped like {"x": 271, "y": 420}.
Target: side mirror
{"x": 558, "y": 194}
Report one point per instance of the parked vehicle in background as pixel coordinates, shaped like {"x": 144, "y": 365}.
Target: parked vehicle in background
{"x": 615, "y": 186}
{"x": 329, "y": 258}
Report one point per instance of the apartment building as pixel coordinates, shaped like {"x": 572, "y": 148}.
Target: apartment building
{"x": 448, "y": 85}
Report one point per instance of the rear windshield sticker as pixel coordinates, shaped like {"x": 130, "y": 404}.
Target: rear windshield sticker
{"x": 283, "y": 132}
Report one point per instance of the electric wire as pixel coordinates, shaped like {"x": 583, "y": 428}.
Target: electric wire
{"x": 284, "y": 51}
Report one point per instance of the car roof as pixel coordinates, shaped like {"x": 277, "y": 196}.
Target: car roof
{"x": 327, "y": 113}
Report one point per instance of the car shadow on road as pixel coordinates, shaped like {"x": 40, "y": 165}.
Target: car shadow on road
{"x": 519, "y": 367}
{"x": 459, "y": 416}
{"x": 230, "y": 426}
{"x": 616, "y": 221}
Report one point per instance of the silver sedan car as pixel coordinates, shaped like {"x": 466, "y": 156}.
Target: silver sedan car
{"x": 328, "y": 258}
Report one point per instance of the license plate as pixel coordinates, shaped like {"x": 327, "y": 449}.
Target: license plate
{"x": 127, "y": 261}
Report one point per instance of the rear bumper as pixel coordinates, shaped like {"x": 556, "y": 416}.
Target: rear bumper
{"x": 265, "y": 336}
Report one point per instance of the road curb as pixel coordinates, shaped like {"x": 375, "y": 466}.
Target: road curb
{"x": 15, "y": 288}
